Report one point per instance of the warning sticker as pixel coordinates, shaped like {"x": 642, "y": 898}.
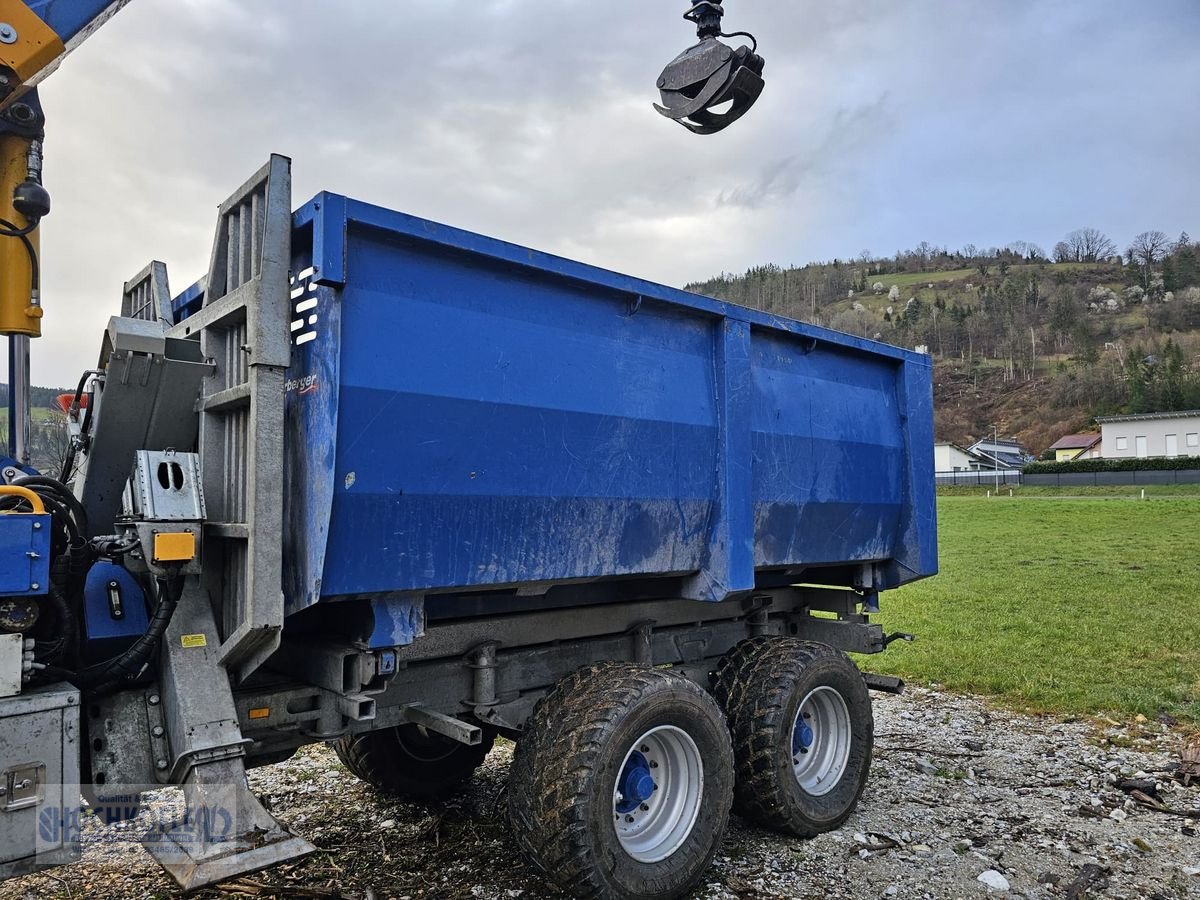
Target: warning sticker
{"x": 191, "y": 641}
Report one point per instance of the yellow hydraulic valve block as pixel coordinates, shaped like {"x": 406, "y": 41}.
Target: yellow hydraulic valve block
{"x": 20, "y": 305}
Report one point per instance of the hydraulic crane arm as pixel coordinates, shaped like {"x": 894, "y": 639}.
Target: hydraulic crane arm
{"x": 35, "y": 36}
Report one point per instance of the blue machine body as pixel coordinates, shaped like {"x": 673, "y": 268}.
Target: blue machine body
{"x": 464, "y": 415}
{"x": 114, "y": 611}
{"x": 24, "y": 554}
{"x": 72, "y": 20}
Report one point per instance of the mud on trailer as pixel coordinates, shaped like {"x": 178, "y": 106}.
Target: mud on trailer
{"x": 387, "y": 484}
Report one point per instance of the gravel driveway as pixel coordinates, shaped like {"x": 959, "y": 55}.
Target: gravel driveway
{"x": 959, "y": 790}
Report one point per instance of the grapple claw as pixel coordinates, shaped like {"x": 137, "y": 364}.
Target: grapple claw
{"x": 710, "y": 85}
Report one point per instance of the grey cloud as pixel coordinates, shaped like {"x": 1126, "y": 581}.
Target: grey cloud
{"x": 780, "y": 179}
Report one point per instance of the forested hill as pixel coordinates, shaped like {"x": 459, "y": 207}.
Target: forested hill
{"x": 1036, "y": 343}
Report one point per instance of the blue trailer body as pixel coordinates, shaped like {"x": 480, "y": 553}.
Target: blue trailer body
{"x": 464, "y": 414}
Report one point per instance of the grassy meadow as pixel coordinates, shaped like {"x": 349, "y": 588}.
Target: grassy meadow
{"x": 1081, "y": 604}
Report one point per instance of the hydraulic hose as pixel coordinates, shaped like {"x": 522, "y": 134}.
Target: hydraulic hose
{"x": 58, "y": 511}
{"x": 69, "y": 461}
{"x": 105, "y": 676}
{"x": 63, "y": 492}
{"x": 54, "y": 651}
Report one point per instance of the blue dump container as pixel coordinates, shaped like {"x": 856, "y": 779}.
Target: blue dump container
{"x": 468, "y": 416}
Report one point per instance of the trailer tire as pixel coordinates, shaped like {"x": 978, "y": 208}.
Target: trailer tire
{"x": 611, "y": 726}
{"x": 409, "y": 761}
{"x": 736, "y": 665}
{"x": 800, "y": 718}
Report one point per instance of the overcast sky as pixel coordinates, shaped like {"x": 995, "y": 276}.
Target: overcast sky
{"x": 883, "y": 124}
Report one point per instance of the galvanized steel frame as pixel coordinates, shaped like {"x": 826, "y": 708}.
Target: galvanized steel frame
{"x": 243, "y": 328}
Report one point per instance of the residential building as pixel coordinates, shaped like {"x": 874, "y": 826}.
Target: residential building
{"x": 1076, "y": 446}
{"x": 1000, "y": 454}
{"x": 949, "y": 457}
{"x": 1147, "y": 435}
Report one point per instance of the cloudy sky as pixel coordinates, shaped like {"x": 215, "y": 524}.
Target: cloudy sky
{"x": 883, "y": 124}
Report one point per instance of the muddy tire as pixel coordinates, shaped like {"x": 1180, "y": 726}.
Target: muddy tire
{"x": 621, "y": 783}
{"x": 800, "y": 719}
{"x": 409, "y": 761}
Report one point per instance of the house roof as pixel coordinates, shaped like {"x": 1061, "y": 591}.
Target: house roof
{"x": 1007, "y": 460}
{"x": 1002, "y": 444}
{"x": 1076, "y": 442}
{"x": 938, "y": 444}
{"x": 1138, "y": 417}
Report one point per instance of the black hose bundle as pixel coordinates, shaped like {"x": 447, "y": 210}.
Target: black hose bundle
{"x": 43, "y": 484}
{"x": 68, "y": 464}
{"x": 60, "y": 649}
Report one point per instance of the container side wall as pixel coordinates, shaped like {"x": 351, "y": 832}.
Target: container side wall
{"x": 499, "y": 425}
{"x": 471, "y": 415}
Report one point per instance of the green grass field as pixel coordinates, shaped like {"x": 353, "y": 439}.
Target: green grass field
{"x": 37, "y": 414}
{"x": 1059, "y": 605}
{"x": 916, "y": 279}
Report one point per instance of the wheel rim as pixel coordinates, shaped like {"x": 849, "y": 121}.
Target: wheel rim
{"x": 657, "y": 796}
{"x": 821, "y": 738}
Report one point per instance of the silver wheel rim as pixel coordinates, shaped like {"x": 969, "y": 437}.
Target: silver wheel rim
{"x": 657, "y": 796}
{"x": 821, "y": 739}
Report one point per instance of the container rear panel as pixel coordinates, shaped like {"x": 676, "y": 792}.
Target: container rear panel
{"x": 828, "y": 453}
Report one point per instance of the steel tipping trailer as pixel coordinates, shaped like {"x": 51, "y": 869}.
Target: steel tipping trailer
{"x": 389, "y": 484}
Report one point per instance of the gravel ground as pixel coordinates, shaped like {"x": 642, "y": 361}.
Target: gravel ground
{"x": 959, "y": 790}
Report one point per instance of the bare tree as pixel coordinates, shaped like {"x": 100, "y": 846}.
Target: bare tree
{"x": 1063, "y": 252}
{"x": 1090, "y": 245}
{"x": 1146, "y": 251}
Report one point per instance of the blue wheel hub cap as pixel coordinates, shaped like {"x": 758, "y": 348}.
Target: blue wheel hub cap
{"x": 636, "y": 783}
{"x": 802, "y": 737}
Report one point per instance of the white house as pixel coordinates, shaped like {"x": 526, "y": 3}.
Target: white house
{"x": 949, "y": 457}
{"x": 1150, "y": 434}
